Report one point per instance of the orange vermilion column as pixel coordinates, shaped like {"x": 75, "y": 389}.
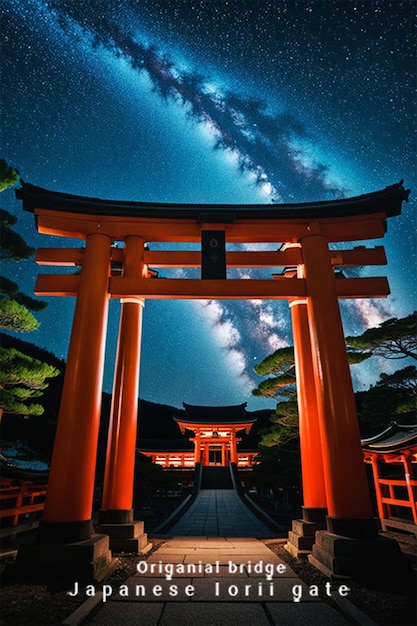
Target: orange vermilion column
{"x": 120, "y": 458}
{"x": 408, "y": 470}
{"x": 68, "y": 505}
{"x": 197, "y": 447}
{"x": 314, "y": 493}
{"x": 233, "y": 448}
{"x": 347, "y": 491}
{"x": 382, "y": 507}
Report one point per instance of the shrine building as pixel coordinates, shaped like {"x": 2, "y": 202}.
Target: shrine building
{"x": 392, "y": 454}
{"x": 211, "y": 436}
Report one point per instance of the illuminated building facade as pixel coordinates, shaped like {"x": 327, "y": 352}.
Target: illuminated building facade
{"x": 215, "y": 433}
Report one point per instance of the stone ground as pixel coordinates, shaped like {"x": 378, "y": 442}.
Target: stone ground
{"x": 387, "y": 602}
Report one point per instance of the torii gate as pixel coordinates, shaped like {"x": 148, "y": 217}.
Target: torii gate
{"x": 332, "y": 482}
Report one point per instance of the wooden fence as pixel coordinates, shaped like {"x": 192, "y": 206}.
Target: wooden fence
{"x": 20, "y": 501}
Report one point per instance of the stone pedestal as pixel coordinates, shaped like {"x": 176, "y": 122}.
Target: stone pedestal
{"x": 302, "y": 536}
{"x": 128, "y": 537}
{"x": 49, "y": 562}
{"x": 363, "y": 553}
{"x": 125, "y": 535}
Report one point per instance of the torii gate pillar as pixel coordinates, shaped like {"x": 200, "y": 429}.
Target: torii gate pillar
{"x": 301, "y": 537}
{"x": 350, "y": 543}
{"x": 66, "y": 527}
{"x": 69, "y": 499}
{"x": 347, "y": 491}
{"x": 116, "y": 514}
{"x": 120, "y": 459}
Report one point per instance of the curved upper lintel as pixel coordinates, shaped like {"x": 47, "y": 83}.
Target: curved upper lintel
{"x": 388, "y": 201}
{"x": 352, "y": 219}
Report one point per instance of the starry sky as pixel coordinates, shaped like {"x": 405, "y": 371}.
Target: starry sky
{"x": 234, "y": 101}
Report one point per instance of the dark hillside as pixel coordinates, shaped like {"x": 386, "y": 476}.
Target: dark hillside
{"x": 155, "y": 420}
{"x": 10, "y": 341}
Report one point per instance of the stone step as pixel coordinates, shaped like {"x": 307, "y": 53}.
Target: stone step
{"x": 126, "y": 537}
{"x": 306, "y": 529}
{"x": 357, "y": 548}
{"x": 216, "y": 478}
{"x": 132, "y": 544}
{"x": 83, "y": 560}
{"x": 126, "y": 531}
{"x": 296, "y": 553}
{"x": 341, "y": 556}
{"x": 300, "y": 542}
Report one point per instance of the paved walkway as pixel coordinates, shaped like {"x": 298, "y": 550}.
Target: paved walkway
{"x": 212, "y": 572}
{"x": 219, "y": 513}
{"x": 216, "y": 581}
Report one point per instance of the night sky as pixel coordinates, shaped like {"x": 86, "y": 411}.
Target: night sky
{"x": 245, "y": 101}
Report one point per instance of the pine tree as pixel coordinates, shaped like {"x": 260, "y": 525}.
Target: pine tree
{"x": 13, "y": 246}
{"x": 16, "y": 317}
{"x": 393, "y": 339}
{"x": 8, "y": 175}
{"x": 22, "y": 378}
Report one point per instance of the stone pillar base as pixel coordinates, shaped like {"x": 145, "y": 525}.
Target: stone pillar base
{"x": 126, "y": 537}
{"x": 302, "y": 536}
{"x": 339, "y": 556}
{"x": 115, "y": 516}
{"x": 88, "y": 560}
{"x": 64, "y": 532}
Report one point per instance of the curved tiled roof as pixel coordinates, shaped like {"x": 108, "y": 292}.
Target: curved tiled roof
{"x": 392, "y": 439}
{"x": 9, "y": 469}
{"x": 234, "y": 414}
{"x": 388, "y": 201}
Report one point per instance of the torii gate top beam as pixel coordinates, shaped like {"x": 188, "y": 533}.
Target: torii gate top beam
{"x": 358, "y": 218}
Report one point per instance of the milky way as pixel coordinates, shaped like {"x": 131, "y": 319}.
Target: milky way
{"x": 249, "y": 101}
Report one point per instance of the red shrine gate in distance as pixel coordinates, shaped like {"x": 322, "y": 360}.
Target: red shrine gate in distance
{"x": 335, "y": 488}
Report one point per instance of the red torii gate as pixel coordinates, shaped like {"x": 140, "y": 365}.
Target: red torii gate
{"x": 332, "y": 482}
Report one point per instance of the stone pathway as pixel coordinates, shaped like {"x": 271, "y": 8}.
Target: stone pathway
{"x": 216, "y": 581}
{"x": 219, "y": 513}
{"x": 212, "y": 572}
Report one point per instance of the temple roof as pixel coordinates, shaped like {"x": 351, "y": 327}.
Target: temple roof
{"x": 388, "y": 201}
{"x": 395, "y": 438}
{"x": 10, "y": 469}
{"x": 235, "y": 414}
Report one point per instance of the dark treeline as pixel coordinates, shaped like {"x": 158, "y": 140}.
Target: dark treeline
{"x": 155, "y": 420}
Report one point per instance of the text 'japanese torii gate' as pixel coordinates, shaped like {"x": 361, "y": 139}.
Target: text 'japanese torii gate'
{"x": 332, "y": 480}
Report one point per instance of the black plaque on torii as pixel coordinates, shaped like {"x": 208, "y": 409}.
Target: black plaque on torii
{"x": 213, "y": 254}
